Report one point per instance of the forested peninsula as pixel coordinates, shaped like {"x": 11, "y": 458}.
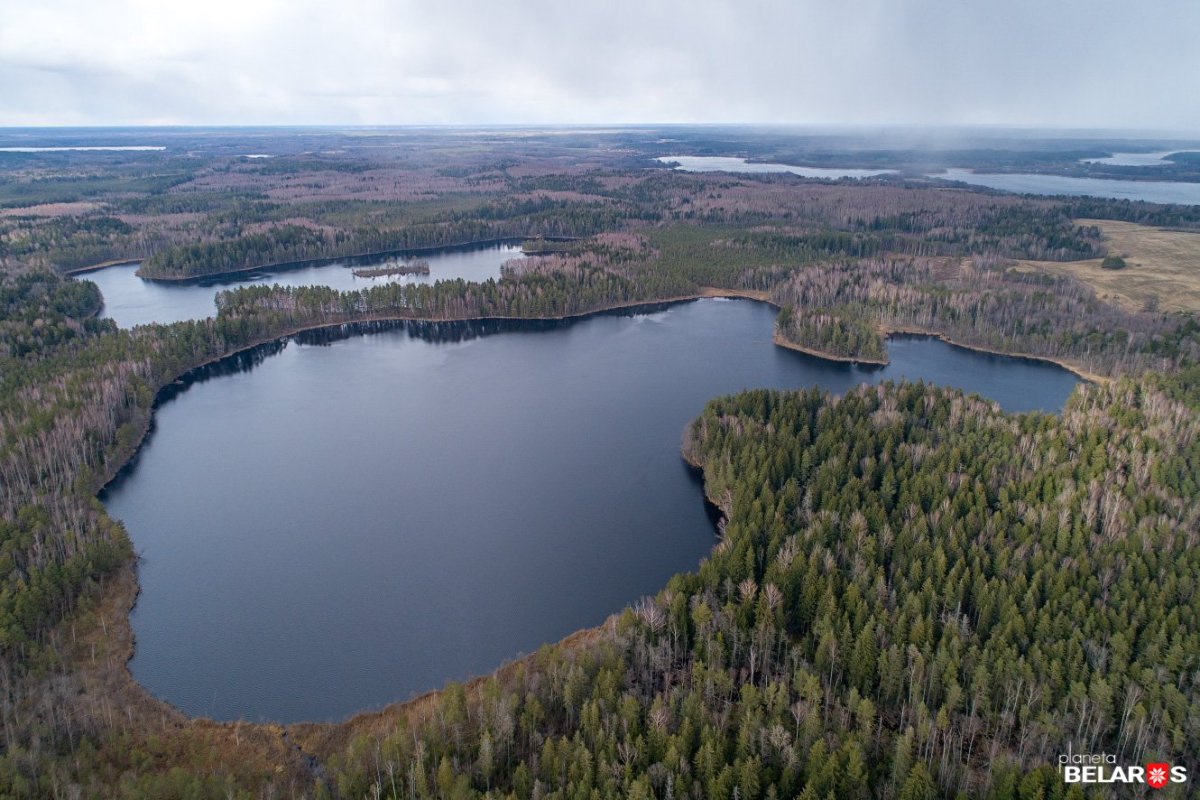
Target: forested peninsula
{"x": 912, "y": 595}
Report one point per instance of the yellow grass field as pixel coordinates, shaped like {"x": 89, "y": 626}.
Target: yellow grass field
{"x": 1163, "y": 267}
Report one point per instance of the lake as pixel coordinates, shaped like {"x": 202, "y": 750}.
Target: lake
{"x": 728, "y": 164}
{"x": 130, "y": 301}
{"x": 1136, "y": 159}
{"x": 1151, "y": 191}
{"x": 336, "y": 523}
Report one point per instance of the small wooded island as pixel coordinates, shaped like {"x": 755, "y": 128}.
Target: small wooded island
{"x": 419, "y": 267}
{"x": 913, "y": 595}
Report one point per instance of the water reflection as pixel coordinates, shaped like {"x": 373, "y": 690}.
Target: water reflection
{"x": 369, "y": 511}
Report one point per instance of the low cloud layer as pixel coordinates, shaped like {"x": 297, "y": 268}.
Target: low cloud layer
{"x": 1051, "y": 63}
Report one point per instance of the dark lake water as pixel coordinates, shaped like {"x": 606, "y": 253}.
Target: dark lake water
{"x": 345, "y": 523}
{"x": 730, "y": 164}
{"x": 1152, "y": 191}
{"x": 130, "y": 301}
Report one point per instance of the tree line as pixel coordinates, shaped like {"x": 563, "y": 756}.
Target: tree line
{"x": 913, "y": 596}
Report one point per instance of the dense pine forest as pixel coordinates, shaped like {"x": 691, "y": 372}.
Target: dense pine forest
{"x": 912, "y": 594}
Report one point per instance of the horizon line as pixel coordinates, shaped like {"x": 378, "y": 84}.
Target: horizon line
{"x": 825, "y": 126}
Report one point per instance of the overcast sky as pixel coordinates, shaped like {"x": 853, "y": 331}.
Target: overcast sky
{"x": 1052, "y": 63}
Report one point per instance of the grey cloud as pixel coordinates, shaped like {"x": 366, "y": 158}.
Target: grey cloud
{"x": 1024, "y": 62}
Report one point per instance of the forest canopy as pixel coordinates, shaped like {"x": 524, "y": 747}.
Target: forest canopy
{"x": 912, "y": 594}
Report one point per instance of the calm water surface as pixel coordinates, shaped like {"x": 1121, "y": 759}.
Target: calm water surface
{"x": 1152, "y": 191}
{"x": 729, "y": 164}
{"x": 345, "y": 524}
{"x": 1136, "y": 159}
{"x": 130, "y": 301}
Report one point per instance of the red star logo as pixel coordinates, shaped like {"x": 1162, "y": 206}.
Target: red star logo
{"x": 1157, "y": 775}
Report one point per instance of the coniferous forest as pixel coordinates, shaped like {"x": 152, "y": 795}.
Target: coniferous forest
{"x": 911, "y": 593}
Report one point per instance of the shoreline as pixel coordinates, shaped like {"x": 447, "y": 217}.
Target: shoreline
{"x": 758, "y": 295}
{"x": 320, "y": 736}
{"x": 145, "y": 426}
{"x": 286, "y": 266}
{"x": 704, "y": 292}
{"x": 118, "y": 262}
{"x": 1077, "y": 371}
{"x": 325, "y": 733}
{"x": 742, "y": 294}
{"x": 779, "y": 341}
{"x": 889, "y": 332}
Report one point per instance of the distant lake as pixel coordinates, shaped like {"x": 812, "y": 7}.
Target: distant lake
{"x": 130, "y": 301}
{"x": 1152, "y": 191}
{"x": 340, "y": 523}
{"x": 728, "y": 164}
{"x": 1136, "y": 159}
